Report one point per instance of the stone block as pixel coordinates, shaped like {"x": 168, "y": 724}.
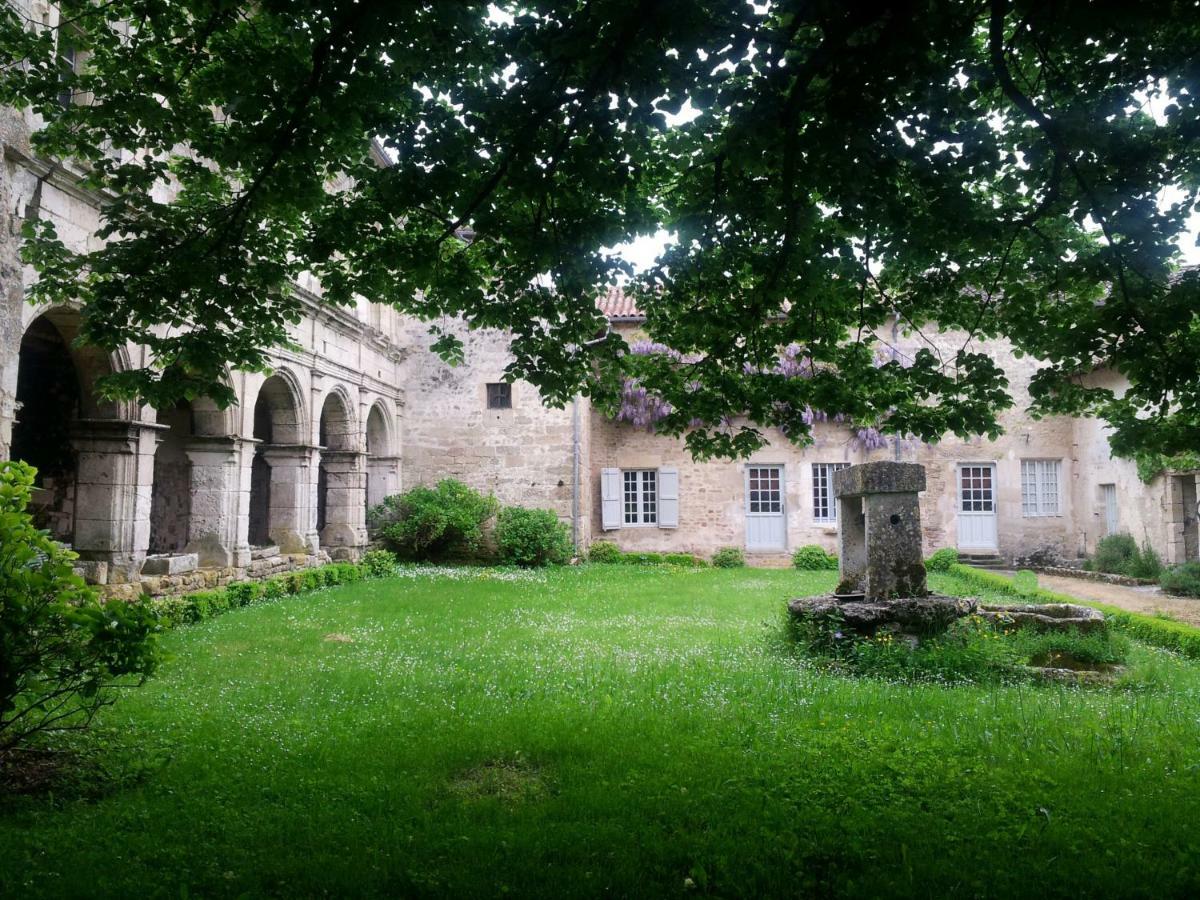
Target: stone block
{"x": 91, "y": 571}
{"x": 170, "y": 564}
{"x": 879, "y": 478}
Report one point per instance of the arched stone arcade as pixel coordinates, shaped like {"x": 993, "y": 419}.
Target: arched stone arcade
{"x": 383, "y": 458}
{"x": 94, "y": 456}
{"x": 341, "y": 478}
{"x": 280, "y": 511}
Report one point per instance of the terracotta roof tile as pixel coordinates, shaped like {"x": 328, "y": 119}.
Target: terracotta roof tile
{"x": 618, "y": 305}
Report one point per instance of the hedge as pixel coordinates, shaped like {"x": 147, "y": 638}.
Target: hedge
{"x": 173, "y": 611}
{"x": 1166, "y": 633}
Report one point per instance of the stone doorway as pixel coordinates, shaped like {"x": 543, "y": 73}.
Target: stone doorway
{"x": 279, "y": 506}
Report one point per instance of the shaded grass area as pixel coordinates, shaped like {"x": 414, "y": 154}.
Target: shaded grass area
{"x": 605, "y": 730}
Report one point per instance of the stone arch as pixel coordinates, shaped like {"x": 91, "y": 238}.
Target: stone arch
{"x": 58, "y": 417}
{"x": 341, "y": 477}
{"x": 278, "y": 507}
{"x": 381, "y": 454}
{"x": 192, "y": 472}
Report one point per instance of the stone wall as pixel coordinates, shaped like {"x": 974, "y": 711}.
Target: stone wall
{"x": 524, "y": 455}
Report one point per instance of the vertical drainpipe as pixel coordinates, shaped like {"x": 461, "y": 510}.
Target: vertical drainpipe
{"x": 575, "y": 472}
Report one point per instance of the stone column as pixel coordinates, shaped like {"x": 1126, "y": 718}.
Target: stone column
{"x": 879, "y": 530}
{"x": 292, "y": 515}
{"x": 345, "y": 500}
{"x": 113, "y": 486}
{"x": 217, "y": 532}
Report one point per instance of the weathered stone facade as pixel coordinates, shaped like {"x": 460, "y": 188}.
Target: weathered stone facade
{"x": 361, "y": 408}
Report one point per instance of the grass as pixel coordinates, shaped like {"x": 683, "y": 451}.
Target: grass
{"x": 604, "y": 730}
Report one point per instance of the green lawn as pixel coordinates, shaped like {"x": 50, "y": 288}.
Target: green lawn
{"x": 605, "y": 730}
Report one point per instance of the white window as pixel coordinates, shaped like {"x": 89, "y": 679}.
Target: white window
{"x": 824, "y": 507}
{"x": 636, "y": 497}
{"x": 1040, "y": 487}
{"x": 641, "y": 496}
{"x": 766, "y": 491}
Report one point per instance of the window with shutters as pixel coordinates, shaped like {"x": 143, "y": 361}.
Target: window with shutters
{"x": 824, "y": 507}
{"x": 1040, "y": 487}
{"x": 640, "y": 495}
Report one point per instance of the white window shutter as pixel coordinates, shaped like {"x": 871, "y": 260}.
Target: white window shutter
{"x": 610, "y": 498}
{"x": 668, "y": 498}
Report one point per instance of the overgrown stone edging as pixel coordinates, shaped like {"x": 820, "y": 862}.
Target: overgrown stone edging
{"x": 1106, "y": 577}
{"x": 1166, "y": 633}
{"x": 189, "y": 608}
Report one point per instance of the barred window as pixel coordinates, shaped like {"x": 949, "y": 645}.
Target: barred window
{"x": 640, "y": 496}
{"x": 824, "y": 507}
{"x": 1040, "y": 487}
{"x": 499, "y": 395}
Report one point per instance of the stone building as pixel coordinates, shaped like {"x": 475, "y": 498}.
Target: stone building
{"x": 176, "y": 499}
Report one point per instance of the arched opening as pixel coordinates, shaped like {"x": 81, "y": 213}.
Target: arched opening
{"x": 379, "y": 461}
{"x": 48, "y": 407}
{"x": 273, "y": 513}
{"x": 171, "y": 495}
{"x": 337, "y": 473}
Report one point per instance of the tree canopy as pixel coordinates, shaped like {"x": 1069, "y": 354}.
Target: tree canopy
{"x": 985, "y": 165}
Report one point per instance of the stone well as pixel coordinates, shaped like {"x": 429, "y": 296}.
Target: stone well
{"x": 882, "y": 584}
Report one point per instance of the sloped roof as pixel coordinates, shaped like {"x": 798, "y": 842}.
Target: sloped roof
{"x": 619, "y": 306}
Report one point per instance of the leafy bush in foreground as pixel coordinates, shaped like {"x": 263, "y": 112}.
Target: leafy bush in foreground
{"x": 814, "y": 558}
{"x": 531, "y": 537}
{"x": 729, "y": 558}
{"x": 433, "y": 523}
{"x": 378, "y": 563}
{"x": 62, "y": 651}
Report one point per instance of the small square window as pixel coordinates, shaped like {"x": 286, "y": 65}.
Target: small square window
{"x": 499, "y": 395}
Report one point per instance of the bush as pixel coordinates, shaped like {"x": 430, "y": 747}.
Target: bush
{"x": 604, "y": 552}
{"x": 531, "y": 537}
{"x": 684, "y": 559}
{"x": 1183, "y": 580}
{"x": 378, "y": 563}
{"x": 436, "y": 523}
{"x": 729, "y": 558}
{"x": 814, "y": 558}
{"x": 62, "y": 651}
{"x": 942, "y": 560}
{"x": 243, "y": 593}
{"x": 1115, "y": 553}
{"x": 643, "y": 558}
{"x": 1146, "y": 564}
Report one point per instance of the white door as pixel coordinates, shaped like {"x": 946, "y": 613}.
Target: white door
{"x": 977, "y": 507}
{"x": 766, "y": 525}
{"x": 1112, "y": 520}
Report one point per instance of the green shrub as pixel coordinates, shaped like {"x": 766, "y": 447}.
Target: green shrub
{"x": 295, "y": 582}
{"x": 243, "y": 593}
{"x": 684, "y": 559}
{"x": 1115, "y": 554}
{"x": 378, "y": 563}
{"x": 1146, "y": 564}
{"x": 433, "y": 523}
{"x": 643, "y": 558}
{"x": 275, "y": 588}
{"x": 349, "y": 572}
{"x": 63, "y": 652}
{"x": 941, "y": 560}
{"x": 1183, "y": 580}
{"x": 814, "y": 558}
{"x": 604, "y": 552}
{"x": 312, "y": 580}
{"x": 729, "y": 558}
{"x": 531, "y": 537}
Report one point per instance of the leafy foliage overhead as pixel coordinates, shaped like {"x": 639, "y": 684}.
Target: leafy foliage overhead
{"x": 988, "y": 165}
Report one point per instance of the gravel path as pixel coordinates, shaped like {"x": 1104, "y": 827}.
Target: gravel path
{"x": 1135, "y": 599}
